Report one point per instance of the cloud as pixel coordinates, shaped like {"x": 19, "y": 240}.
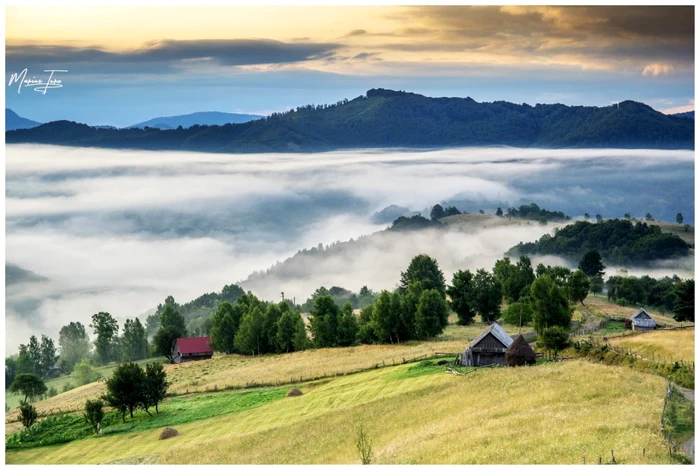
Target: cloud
{"x": 356, "y": 32}
{"x": 163, "y": 55}
{"x": 657, "y": 69}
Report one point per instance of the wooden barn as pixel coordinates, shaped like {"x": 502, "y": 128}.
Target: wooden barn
{"x": 642, "y": 321}
{"x": 487, "y": 349}
{"x": 192, "y": 349}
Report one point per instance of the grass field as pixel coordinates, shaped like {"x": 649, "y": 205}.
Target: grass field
{"x": 600, "y": 307}
{"x": 238, "y": 371}
{"x": 551, "y": 413}
{"x": 678, "y": 229}
{"x": 672, "y": 345}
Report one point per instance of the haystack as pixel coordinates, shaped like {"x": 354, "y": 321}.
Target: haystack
{"x": 295, "y": 392}
{"x": 167, "y": 433}
{"x": 519, "y": 353}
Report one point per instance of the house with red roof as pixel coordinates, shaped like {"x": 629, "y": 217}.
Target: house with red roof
{"x": 192, "y": 349}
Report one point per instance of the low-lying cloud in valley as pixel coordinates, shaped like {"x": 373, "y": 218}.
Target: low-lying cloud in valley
{"x": 118, "y": 231}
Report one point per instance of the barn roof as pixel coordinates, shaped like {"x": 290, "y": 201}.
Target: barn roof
{"x": 638, "y": 313}
{"x": 497, "y": 332}
{"x": 194, "y": 345}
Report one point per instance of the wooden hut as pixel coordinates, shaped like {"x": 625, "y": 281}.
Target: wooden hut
{"x": 487, "y": 349}
{"x": 642, "y": 321}
{"x": 520, "y": 353}
{"x": 192, "y": 349}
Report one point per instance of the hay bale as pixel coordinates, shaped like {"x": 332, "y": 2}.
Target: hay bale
{"x": 520, "y": 353}
{"x": 167, "y": 433}
{"x": 295, "y": 392}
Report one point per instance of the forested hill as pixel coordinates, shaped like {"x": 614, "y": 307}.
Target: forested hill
{"x": 385, "y": 118}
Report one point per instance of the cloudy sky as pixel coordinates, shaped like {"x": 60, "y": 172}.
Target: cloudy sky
{"x": 129, "y": 64}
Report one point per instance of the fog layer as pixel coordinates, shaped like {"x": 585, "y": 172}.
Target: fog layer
{"x": 120, "y": 230}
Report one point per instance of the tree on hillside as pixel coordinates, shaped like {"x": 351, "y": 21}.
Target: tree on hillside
{"x": 649, "y": 217}
{"x": 628, "y": 215}
{"x": 251, "y": 336}
{"x": 301, "y": 340}
{"x": 598, "y": 218}
{"x": 554, "y": 338}
{"x": 592, "y": 264}
{"x": 679, "y": 218}
{"x": 586, "y": 216}
{"x": 74, "y": 343}
{"x": 10, "y": 371}
{"x": 452, "y": 210}
{"x": 125, "y": 389}
{"x": 105, "y": 327}
{"x": 48, "y": 355}
{"x": 134, "y": 340}
{"x": 172, "y": 327}
{"x": 461, "y": 294}
{"x": 514, "y": 279}
{"x": 30, "y": 385}
{"x": 83, "y": 373}
{"x": 424, "y": 270}
{"x": 488, "y": 296}
{"x": 430, "y": 315}
{"x": 287, "y": 327}
{"x": 347, "y": 326}
{"x": 94, "y": 414}
{"x": 271, "y": 317}
{"x": 685, "y": 306}
{"x": 324, "y": 322}
{"x": 385, "y": 319}
{"x": 155, "y": 386}
{"x": 437, "y": 212}
{"x": 596, "y": 284}
{"x": 225, "y": 326}
{"x": 550, "y": 305}
{"x": 27, "y": 414}
{"x": 518, "y": 313}
{"x": 578, "y": 287}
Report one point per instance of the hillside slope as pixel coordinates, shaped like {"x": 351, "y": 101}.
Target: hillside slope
{"x": 385, "y": 118}
{"x": 205, "y": 118}
{"x": 14, "y": 121}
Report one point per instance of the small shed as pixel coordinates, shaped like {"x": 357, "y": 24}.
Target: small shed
{"x": 520, "y": 353}
{"x": 192, "y": 349}
{"x": 642, "y": 321}
{"x": 487, "y": 349}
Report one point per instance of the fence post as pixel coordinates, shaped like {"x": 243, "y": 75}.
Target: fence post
{"x": 613, "y": 456}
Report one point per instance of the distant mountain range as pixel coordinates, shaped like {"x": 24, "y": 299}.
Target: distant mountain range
{"x": 386, "y": 119}
{"x": 15, "y": 121}
{"x": 687, "y": 114}
{"x": 207, "y": 118}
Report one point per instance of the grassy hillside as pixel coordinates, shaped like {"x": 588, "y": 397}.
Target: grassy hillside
{"x": 237, "y": 371}
{"x": 671, "y": 345}
{"x": 552, "y": 413}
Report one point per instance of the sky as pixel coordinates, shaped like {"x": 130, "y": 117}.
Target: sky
{"x": 129, "y": 64}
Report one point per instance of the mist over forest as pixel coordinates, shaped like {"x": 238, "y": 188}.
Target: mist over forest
{"x": 91, "y": 230}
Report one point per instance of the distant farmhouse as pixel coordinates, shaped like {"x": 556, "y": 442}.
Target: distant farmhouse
{"x": 642, "y": 321}
{"x": 487, "y": 349}
{"x": 192, "y": 349}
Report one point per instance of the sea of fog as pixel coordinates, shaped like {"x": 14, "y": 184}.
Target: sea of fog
{"x": 110, "y": 230}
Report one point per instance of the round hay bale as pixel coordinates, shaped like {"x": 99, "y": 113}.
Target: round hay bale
{"x": 295, "y": 392}
{"x": 167, "y": 433}
{"x": 520, "y": 353}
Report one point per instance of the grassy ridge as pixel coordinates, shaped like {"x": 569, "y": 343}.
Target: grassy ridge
{"x": 553, "y": 413}
{"x": 672, "y": 345}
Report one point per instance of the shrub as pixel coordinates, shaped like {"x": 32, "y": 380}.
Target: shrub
{"x": 94, "y": 414}
{"x": 27, "y": 414}
{"x": 364, "y": 444}
{"x": 84, "y": 374}
{"x": 52, "y": 392}
{"x": 67, "y": 386}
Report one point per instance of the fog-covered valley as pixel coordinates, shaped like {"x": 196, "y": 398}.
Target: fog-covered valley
{"x": 91, "y": 230}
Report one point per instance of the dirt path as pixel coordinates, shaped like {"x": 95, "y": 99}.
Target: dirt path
{"x": 689, "y": 445}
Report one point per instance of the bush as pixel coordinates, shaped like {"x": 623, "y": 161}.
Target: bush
{"x": 84, "y": 374}
{"x": 67, "y": 386}
{"x": 363, "y": 443}
{"x": 27, "y": 414}
{"x": 52, "y": 392}
{"x": 94, "y": 414}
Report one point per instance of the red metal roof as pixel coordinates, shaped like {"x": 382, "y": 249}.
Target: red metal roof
{"x": 194, "y": 345}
